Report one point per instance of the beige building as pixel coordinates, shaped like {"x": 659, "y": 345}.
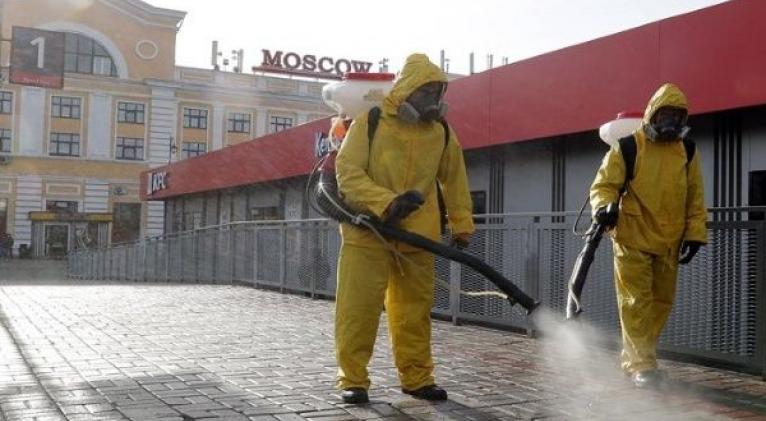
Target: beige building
{"x": 71, "y": 158}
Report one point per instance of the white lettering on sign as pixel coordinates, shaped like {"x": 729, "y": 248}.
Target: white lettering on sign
{"x": 295, "y": 63}
{"x": 156, "y": 182}
{"x": 39, "y": 42}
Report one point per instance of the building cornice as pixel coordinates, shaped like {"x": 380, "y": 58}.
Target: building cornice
{"x": 123, "y": 87}
{"x": 231, "y": 92}
{"x": 148, "y": 14}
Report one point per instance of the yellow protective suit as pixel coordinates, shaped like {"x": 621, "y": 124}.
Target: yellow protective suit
{"x": 663, "y": 205}
{"x": 403, "y": 157}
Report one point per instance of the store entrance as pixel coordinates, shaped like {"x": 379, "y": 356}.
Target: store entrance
{"x": 56, "y": 240}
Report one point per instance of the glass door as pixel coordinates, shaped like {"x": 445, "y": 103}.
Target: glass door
{"x": 56, "y": 240}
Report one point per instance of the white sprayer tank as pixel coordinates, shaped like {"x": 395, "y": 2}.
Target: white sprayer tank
{"x": 357, "y": 92}
{"x": 624, "y": 125}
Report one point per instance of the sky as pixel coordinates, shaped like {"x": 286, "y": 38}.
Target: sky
{"x": 515, "y": 29}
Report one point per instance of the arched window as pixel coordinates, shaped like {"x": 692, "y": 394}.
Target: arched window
{"x": 84, "y": 55}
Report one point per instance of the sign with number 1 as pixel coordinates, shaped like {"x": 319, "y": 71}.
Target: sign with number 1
{"x": 37, "y": 58}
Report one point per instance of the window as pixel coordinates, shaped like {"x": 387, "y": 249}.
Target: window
{"x": 265, "y": 213}
{"x": 130, "y": 148}
{"x": 178, "y": 219}
{"x": 5, "y": 141}
{"x": 126, "y": 226}
{"x": 64, "y": 144}
{"x": 239, "y": 123}
{"x": 6, "y": 102}
{"x": 280, "y": 123}
{"x": 195, "y": 118}
{"x": 3, "y": 216}
{"x": 65, "y": 107}
{"x": 757, "y": 193}
{"x": 479, "y": 200}
{"x": 61, "y": 206}
{"x": 130, "y": 112}
{"x": 192, "y": 220}
{"x": 84, "y": 55}
{"x": 192, "y": 149}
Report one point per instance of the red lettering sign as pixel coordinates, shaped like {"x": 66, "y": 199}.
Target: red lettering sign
{"x": 309, "y": 65}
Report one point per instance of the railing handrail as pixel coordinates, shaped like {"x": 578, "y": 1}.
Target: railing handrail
{"x": 285, "y": 222}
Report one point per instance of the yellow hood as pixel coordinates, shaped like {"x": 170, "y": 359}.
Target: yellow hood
{"x": 417, "y": 71}
{"x": 669, "y": 95}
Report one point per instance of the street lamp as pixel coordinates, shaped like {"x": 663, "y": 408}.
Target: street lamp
{"x": 171, "y": 149}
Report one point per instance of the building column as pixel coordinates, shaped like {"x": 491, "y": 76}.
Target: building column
{"x": 261, "y": 122}
{"x": 96, "y": 196}
{"x": 155, "y": 219}
{"x": 219, "y": 117}
{"x": 163, "y": 118}
{"x": 31, "y": 136}
{"x": 29, "y": 197}
{"x": 99, "y": 122}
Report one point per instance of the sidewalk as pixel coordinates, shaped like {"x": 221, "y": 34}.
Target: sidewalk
{"x": 87, "y": 351}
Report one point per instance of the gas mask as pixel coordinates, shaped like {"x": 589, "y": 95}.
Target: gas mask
{"x": 668, "y": 124}
{"x": 424, "y": 104}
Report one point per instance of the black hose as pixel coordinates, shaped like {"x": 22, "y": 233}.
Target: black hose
{"x": 580, "y": 270}
{"x": 327, "y": 199}
{"x": 515, "y": 295}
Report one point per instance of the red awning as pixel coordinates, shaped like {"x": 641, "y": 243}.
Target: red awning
{"x": 715, "y": 55}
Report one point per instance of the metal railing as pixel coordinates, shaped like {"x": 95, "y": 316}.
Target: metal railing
{"x": 719, "y": 313}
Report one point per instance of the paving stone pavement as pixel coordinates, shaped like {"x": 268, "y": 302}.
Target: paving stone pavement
{"x": 88, "y": 351}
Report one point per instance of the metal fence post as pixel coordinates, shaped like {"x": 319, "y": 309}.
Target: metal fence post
{"x": 195, "y": 250}
{"x": 533, "y": 262}
{"x": 168, "y": 244}
{"x": 214, "y": 256}
{"x": 155, "y": 275}
{"x": 110, "y": 273}
{"x": 454, "y": 291}
{"x": 145, "y": 252}
{"x": 316, "y": 243}
{"x": 232, "y": 255}
{"x": 255, "y": 256}
{"x": 283, "y": 258}
{"x": 760, "y": 323}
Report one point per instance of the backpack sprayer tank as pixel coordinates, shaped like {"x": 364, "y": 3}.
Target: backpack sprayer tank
{"x": 354, "y": 95}
{"x": 624, "y": 125}
{"x": 357, "y": 92}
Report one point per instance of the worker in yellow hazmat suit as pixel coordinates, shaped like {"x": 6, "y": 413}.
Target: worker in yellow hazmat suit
{"x": 393, "y": 176}
{"x": 661, "y": 214}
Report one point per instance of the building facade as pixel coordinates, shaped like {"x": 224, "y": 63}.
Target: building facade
{"x": 71, "y": 158}
{"x": 530, "y": 129}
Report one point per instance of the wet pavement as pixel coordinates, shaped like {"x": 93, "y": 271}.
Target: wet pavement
{"x": 110, "y": 351}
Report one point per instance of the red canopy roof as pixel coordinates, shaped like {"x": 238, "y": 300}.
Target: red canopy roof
{"x": 714, "y": 55}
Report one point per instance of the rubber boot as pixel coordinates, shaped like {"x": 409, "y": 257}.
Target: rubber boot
{"x": 355, "y": 395}
{"x": 429, "y": 393}
{"x": 646, "y": 379}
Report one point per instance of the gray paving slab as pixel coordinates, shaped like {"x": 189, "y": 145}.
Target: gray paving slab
{"x": 135, "y": 351}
